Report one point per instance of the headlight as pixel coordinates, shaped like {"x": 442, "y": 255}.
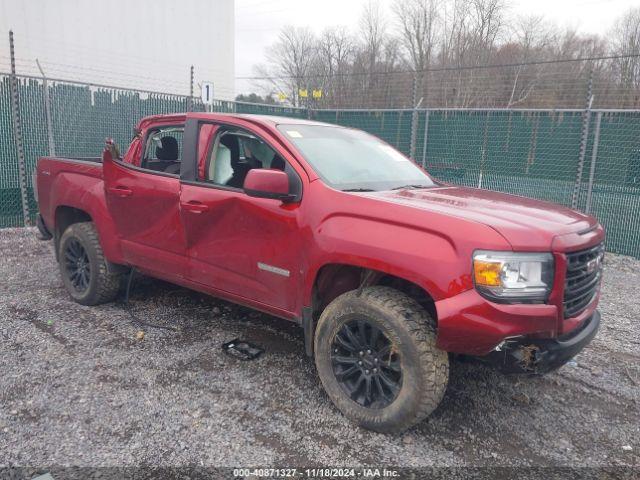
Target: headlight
{"x": 511, "y": 277}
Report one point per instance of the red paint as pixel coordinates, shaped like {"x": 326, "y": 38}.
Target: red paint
{"x": 134, "y": 153}
{"x": 213, "y": 239}
{"x": 269, "y": 181}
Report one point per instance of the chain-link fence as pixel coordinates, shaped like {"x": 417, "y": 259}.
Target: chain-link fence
{"x": 581, "y": 157}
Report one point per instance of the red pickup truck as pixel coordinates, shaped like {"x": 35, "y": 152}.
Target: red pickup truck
{"x": 386, "y": 269}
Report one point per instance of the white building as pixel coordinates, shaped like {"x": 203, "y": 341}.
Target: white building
{"x": 142, "y": 44}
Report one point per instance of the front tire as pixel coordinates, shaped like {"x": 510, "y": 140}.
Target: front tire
{"x": 377, "y": 359}
{"x": 83, "y": 267}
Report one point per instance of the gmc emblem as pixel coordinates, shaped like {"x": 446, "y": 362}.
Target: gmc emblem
{"x": 592, "y": 265}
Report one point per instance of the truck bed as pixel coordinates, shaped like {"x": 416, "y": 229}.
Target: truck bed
{"x": 58, "y": 164}
{"x": 54, "y": 176}
{"x": 78, "y": 159}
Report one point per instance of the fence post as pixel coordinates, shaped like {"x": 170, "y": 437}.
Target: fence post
{"x": 594, "y": 158}
{"x": 425, "y": 139}
{"x": 17, "y": 133}
{"x": 47, "y": 111}
{"x": 414, "y": 118}
{"x": 586, "y": 119}
{"x": 190, "y": 99}
{"x": 483, "y": 151}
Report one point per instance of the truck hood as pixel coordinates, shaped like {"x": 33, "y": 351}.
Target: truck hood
{"x": 525, "y": 223}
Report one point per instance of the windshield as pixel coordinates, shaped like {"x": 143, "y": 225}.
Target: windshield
{"x": 353, "y": 160}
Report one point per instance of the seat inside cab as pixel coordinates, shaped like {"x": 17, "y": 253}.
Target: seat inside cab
{"x": 163, "y": 150}
{"x": 235, "y": 153}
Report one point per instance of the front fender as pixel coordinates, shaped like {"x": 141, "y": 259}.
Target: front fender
{"x": 424, "y": 256}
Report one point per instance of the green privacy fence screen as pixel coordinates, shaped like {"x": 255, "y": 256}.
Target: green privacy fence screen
{"x": 534, "y": 153}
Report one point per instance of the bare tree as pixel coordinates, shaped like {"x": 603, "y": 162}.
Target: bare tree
{"x": 455, "y": 37}
{"x": 394, "y": 85}
{"x": 626, "y": 41}
{"x": 373, "y": 30}
{"x": 334, "y": 59}
{"x": 534, "y": 35}
{"x": 419, "y": 27}
{"x": 456, "y": 53}
{"x": 290, "y": 61}
{"x": 487, "y": 23}
{"x": 530, "y": 40}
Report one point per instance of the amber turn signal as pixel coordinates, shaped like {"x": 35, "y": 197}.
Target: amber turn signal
{"x": 487, "y": 273}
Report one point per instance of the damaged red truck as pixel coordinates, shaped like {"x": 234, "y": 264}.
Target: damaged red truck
{"x": 386, "y": 269}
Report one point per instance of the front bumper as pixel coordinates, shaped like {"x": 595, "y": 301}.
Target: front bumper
{"x": 537, "y": 356}
{"x": 469, "y": 324}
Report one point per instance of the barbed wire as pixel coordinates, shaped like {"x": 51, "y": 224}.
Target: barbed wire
{"x": 450, "y": 68}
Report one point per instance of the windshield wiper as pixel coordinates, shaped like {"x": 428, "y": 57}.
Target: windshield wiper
{"x": 410, "y": 187}
{"x": 358, "y": 190}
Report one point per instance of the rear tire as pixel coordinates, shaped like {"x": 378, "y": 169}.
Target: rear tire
{"x": 386, "y": 381}
{"x": 83, "y": 267}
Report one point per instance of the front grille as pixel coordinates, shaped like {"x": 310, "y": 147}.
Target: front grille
{"x": 584, "y": 271}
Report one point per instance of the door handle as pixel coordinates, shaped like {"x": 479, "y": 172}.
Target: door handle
{"x": 195, "y": 206}
{"x": 120, "y": 191}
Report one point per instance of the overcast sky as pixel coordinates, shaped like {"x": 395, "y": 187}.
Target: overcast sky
{"x": 258, "y": 21}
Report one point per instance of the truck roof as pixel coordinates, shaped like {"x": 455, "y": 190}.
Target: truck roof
{"x": 270, "y": 119}
{"x": 266, "y": 120}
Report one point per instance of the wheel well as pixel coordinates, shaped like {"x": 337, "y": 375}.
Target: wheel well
{"x": 64, "y": 217}
{"x": 335, "y": 279}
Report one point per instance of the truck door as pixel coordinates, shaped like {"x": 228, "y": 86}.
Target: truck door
{"x": 144, "y": 201}
{"x": 247, "y": 247}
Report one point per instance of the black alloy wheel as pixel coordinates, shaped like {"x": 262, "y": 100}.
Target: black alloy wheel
{"x": 86, "y": 274}
{"x": 376, "y": 354}
{"x": 365, "y": 364}
{"x": 77, "y": 265}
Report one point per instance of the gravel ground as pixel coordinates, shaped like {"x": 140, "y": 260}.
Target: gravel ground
{"x": 78, "y": 387}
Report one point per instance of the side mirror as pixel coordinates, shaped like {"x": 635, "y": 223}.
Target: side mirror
{"x": 264, "y": 183}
